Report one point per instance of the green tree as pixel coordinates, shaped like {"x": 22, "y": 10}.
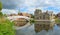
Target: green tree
{"x": 57, "y": 20}
{"x": 0, "y": 6}
{"x": 56, "y": 16}
{"x": 32, "y": 16}
{"x": 1, "y": 9}
{"x": 5, "y": 15}
{"x": 1, "y": 15}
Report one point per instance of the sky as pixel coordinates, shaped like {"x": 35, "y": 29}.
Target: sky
{"x": 29, "y": 6}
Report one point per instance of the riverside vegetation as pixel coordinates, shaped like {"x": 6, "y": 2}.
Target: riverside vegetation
{"x": 6, "y": 27}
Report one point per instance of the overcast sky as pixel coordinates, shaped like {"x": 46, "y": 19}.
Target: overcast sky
{"x": 30, "y": 5}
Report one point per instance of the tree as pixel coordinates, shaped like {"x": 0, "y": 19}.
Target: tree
{"x": 0, "y": 6}
{"x": 57, "y": 20}
{"x": 32, "y": 16}
{"x": 1, "y": 9}
{"x": 5, "y": 15}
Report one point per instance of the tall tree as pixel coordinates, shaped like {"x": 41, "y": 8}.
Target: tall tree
{"x": 0, "y": 6}
{"x": 32, "y": 16}
{"x": 1, "y": 9}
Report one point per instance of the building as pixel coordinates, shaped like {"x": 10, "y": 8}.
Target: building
{"x": 13, "y": 15}
{"x": 58, "y": 15}
{"x": 24, "y": 14}
{"x": 43, "y": 20}
{"x": 20, "y": 14}
{"x": 39, "y": 15}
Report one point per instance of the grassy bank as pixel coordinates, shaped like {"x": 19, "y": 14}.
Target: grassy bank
{"x": 6, "y": 27}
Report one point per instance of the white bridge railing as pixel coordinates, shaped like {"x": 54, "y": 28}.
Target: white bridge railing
{"x": 15, "y": 17}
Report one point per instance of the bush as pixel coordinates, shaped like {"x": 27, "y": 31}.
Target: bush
{"x": 57, "y": 20}
{"x": 6, "y": 27}
{"x": 1, "y": 14}
{"x": 32, "y": 21}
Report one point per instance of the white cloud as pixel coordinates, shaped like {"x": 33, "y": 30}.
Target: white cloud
{"x": 31, "y": 5}
{"x": 9, "y": 11}
{"x": 35, "y": 3}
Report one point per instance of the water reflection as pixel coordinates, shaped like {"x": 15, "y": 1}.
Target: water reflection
{"x": 40, "y": 27}
{"x": 58, "y": 25}
{"x": 55, "y": 30}
{"x": 43, "y": 25}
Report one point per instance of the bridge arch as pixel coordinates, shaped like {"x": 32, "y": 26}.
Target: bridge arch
{"x": 12, "y": 18}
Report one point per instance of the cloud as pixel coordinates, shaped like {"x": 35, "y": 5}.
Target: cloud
{"x": 9, "y": 11}
{"x": 30, "y": 5}
{"x": 10, "y": 4}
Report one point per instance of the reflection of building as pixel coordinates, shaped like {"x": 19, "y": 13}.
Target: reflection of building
{"x": 40, "y": 27}
{"x": 43, "y": 20}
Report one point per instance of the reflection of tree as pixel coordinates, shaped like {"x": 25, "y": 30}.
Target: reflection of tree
{"x": 58, "y": 25}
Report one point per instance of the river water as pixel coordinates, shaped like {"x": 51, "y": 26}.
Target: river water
{"x": 30, "y": 31}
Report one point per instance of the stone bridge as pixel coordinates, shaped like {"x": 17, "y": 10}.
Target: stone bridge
{"x": 12, "y": 18}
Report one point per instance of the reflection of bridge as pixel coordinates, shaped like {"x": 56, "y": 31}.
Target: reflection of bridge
{"x": 12, "y": 18}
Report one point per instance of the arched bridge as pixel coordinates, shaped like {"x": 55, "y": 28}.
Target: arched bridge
{"x": 12, "y": 18}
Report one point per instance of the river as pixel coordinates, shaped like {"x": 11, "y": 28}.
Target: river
{"x": 30, "y": 31}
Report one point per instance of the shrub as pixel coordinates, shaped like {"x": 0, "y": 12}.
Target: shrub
{"x": 6, "y": 27}
{"x": 57, "y": 20}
